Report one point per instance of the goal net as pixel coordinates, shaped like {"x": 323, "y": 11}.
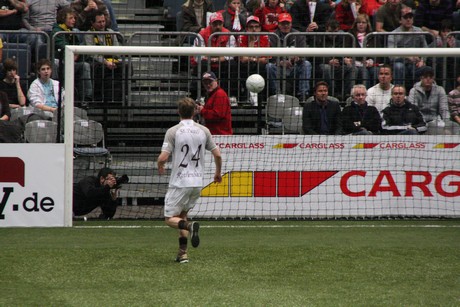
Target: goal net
{"x": 271, "y": 170}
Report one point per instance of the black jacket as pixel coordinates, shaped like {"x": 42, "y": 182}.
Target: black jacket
{"x": 311, "y": 118}
{"x": 397, "y": 118}
{"x": 88, "y": 194}
{"x": 355, "y": 117}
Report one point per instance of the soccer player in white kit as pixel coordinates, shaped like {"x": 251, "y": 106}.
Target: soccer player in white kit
{"x": 186, "y": 142}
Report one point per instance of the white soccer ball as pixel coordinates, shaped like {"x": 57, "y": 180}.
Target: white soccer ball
{"x": 255, "y": 83}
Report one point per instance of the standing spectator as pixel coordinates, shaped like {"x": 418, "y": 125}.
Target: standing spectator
{"x": 253, "y": 65}
{"x": 12, "y": 86}
{"x": 216, "y": 111}
{"x": 65, "y": 22}
{"x": 454, "y": 107}
{"x": 322, "y": 116}
{"x": 5, "y": 113}
{"x": 380, "y": 94}
{"x": 194, "y": 15}
{"x": 85, "y": 8}
{"x": 388, "y": 16}
{"x": 430, "y": 14}
{"x": 11, "y": 19}
{"x": 401, "y": 116}
{"x": 346, "y": 12}
{"x": 359, "y": 118}
{"x": 268, "y": 15}
{"x": 310, "y": 16}
{"x": 107, "y": 69}
{"x": 224, "y": 65}
{"x": 407, "y": 69}
{"x": 370, "y": 8}
{"x": 188, "y": 167}
{"x": 44, "y": 91}
{"x": 296, "y": 68}
{"x": 365, "y": 70}
{"x": 234, "y": 18}
{"x": 431, "y": 99}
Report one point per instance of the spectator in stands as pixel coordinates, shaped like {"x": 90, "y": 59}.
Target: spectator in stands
{"x": 370, "y": 8}
{"x": 253, "y": 65}
{"x": 380, "y": 94}
{"x": 216, "y": 111}
{"x": 268, "y": 15}
{"x": 85, "y": 8}
{"x": 5, "y": 113}
{"x": 234, "y": 18}
{"x": 296, "y": 68}
{"x": 194, "y": 14}
{"x": 322, "y": 116}
{"x": 431, "y": 99}
{"x": 11, "y": 84}
{"x": 11, "y": 19}
{"x": 44, "y": 91}
{"x": 453, "y": 101}
{"x": 92, "y": 192}
{"x": 339, "y": 73}
{"x": 401, "y": 116}
{"x": 224, "y": 65}
{"x": 346, "y": 12}
{"x": 107, "y": 69}
{"x": 456, "y": 13}
{"x": 365, "y": 70}
{"x": 430, "y": 14}
{"x": 65, "y": 21}
{"x": 310, "y": 16}
{"x": 359, "y": 118}
{"x": 185, "y": 183}
{"x": 407, "y": 69}
{"x": 41, "y": 16}
{"x": 388, "y": 16}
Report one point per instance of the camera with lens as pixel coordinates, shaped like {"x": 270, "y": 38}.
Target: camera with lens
{"x": 121, "y": 180}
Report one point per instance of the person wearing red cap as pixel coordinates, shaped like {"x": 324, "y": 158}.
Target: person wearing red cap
{"x": 296, "y": 68}
{"x": 252, "y": 65}
{"x": 216, "y": 112}
{"x": 222, "y": 64}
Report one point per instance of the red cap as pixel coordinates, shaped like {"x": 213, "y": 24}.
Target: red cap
{"x": 252, "y": 18}
{"x": 216, "y": 17}
{"x": 284, "y": 17}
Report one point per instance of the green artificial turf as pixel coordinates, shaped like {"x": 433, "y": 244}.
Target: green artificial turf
{"x": 239, "y": 263}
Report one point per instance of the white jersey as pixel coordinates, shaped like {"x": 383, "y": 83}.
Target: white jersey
{"x": 187, "y": 142}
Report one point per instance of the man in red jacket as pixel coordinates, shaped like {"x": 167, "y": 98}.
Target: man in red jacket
{"x": 216, "y": 111}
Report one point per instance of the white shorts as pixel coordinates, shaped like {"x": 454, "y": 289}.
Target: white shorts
{"x": 178, "y": 200}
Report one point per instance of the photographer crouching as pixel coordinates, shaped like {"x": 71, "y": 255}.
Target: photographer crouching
{"x": 101, "y": 191}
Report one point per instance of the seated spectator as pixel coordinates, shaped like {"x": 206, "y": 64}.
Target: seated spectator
{"x": 407, "y": 69}
{"x": 65, "y": 21}
{"x": 365, "y": 69}
{"x": 359, "y": 118}
{"x": 44, "y": 91}
{"x": 401, "y": 116}
{"x": 431, "y": 99}
{"x": 252, "y": 65}
{"x": 296, "y": 68}
{"x": 430, "y": 14}
{"x": 194, "y": 15}
{"x": 322, "y": 116}
{"x": 380, "y": 94}
{"x": 12, "y": 86}
{"x": 108, "y": 69}
{"x": 268, "y": 15}
{"x": 310, "y": 16}
{"x": 216, "y": 112}
{"x": 5, "y": 113}
{"x": 346, "y": 12}
{"x": 224, "y": 65}
{"x": 453, "y": 101}
{"x": 339, "y": 73}
{"x": 234, "y": 18}
{"x": 84, "y": 9}
{"x": 388, "y": 15}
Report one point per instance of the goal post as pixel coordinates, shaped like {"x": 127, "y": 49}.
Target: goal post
{"x": 272, "y": 141}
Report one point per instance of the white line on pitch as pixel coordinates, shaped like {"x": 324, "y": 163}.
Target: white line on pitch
{"x": 282, "y": 226}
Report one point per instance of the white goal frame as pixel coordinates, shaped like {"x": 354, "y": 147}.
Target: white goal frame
{"x": 71, "y": 51}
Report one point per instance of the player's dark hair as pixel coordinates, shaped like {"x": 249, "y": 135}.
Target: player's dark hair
{"x": 186, "y": 107}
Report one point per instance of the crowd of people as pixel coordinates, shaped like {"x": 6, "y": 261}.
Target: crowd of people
{"x": 264, "y": 24}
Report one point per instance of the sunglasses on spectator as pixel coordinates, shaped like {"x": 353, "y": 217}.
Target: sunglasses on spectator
{"x": 408, "y": 16}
